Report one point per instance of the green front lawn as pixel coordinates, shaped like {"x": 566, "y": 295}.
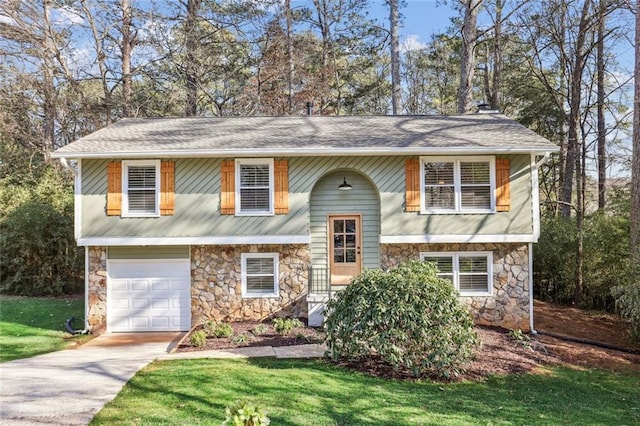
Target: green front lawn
{"x": 31, "y": 326}
{"x": 301, "y": 392}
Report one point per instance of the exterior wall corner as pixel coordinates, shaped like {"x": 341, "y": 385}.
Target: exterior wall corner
{"x": 216, "y": 284}
{"x": 97, "y": 289}
{"x": 508, "y": 306}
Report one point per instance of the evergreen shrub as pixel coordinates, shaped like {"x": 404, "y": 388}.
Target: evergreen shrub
{"x": 406, "y": 317}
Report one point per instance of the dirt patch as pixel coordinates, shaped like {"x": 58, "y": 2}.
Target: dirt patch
{"x": 595, "y": 326}
{"x": 498, "y": 353}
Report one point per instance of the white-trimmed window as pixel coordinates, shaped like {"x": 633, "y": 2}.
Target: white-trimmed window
{"x": 470, "y": 272}
{"x": 260, "y": 275}
{"x": 141, "y": 187}
{"x": 254, "y": 188}
{"x": 457, "y": 184}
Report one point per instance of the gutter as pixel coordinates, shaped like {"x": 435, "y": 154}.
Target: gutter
{"x": 329, "y": 151}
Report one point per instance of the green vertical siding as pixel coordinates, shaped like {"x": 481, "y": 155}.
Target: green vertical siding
{"x": 327, "y": 199}
{"x": 153, "y": 252}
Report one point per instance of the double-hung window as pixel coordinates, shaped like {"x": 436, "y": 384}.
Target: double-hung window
{"x": 254, "y": 188}
{"x": 457, "y": 185}
{"x": 260, "y": 275}
{"x": 469, "y": 272}
{"x": 141, "y": 187}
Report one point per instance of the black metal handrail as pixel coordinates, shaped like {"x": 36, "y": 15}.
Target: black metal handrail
{"x": 319, "y": 282}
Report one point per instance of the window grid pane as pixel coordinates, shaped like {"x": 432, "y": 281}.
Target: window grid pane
{"x": 142, "y": 201}
{"x": 439, "y": 197}
{"x": 141, "y": 184}
{"x": 475, "y": 283}
{"x": 474, "y": 275}
{"x": 457, "y": 185}
{"x": 254, "y": 187}
{"x": 476, "y": 196}
{"x": 439, "y": 185}
{"x": 473, "y": 264}
{"x": 475, "y": 173}
{"x": 445, "y": 266}
{"x": 260, "y": 275}
{"x": 468, "y": 273}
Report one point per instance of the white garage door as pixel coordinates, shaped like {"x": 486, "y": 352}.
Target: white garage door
{"x": 148, "y": 295}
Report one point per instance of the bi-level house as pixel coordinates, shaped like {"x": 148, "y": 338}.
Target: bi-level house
{"x": 189, "y": 219}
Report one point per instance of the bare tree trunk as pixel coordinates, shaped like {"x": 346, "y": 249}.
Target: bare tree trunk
{"x": 578, "y": 292}
{"x": 496, "y": 94}
{"x": 291, "y": 70}
{"x": 394, "y": 22}
{"x": 323, "y": 25}
{"x": 48, "y": 85}
{"x": 575, "y": 87}
{"x": 125, "y": 49}
{"x": 602, "y": 154}
{"x": 101, "y": 57}
{"x": 191, "y": 107}
{"x": 467, "y": 60}
{"x": 635, "y": 162}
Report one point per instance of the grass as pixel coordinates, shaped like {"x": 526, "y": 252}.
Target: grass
{"x": 31, "y": 326}
{"x": 313, "y": 392}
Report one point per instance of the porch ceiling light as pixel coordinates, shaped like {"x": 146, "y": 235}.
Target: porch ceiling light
{"x": 344, "y": 186}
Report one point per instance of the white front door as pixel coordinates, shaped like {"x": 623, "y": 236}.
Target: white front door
{"x": 148, "y": 295}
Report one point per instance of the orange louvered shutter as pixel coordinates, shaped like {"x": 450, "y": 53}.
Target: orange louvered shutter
{"x": 281, "y": 185}
{"x": 503, "y": 190}
{"x": 412, "y": 184}
{"x": 114, "y": 188}
{"x": 228, "y": 188}
{"x": 167, "y": 188}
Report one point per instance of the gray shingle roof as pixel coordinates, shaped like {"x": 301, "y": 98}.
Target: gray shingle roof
{"x": 304, "y": 135}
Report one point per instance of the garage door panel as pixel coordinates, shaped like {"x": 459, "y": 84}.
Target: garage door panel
{"x": 139, "y": 323}
{"x": 149, "y": 303}
{"x": 139, "y": 285}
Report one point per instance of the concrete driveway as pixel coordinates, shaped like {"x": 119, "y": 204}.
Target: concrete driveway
{"x": 69, "y": 387}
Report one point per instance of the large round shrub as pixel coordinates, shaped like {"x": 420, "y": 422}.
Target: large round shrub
{"x": 406, "y": 317}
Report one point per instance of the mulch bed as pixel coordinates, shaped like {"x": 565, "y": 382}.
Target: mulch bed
{"x": 497, "y": 354}
{"x": 256, "y": 337}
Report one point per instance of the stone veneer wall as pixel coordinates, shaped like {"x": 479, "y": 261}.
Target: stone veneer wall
{"x": 97, "y": 315}
{"x": 216, "y": 283}
{"x": 508, "y": 307}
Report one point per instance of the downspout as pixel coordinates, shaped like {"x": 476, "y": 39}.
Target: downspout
{"x": 544, "y": 158}
{"x": 536, "y": 232}
{"x": 533, "y": 330}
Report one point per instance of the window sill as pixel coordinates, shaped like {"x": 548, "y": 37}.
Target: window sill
{"x": 460, "y": 212}
{"x": 254, "y": 214}
{"x": 140, "y": 215}
{"x": 260, "y": 296}
{"x": 478, "y": 294}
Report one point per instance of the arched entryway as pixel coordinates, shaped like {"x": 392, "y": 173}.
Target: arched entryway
{"x": 345, "y": 229}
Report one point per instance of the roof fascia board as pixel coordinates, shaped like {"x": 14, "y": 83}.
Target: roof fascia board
{"x": 454, "y": 238}
{"x": 301, "y": 152}
{"x": 205, "y": 240}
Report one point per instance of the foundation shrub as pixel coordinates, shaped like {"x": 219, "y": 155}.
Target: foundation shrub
{"x": 406, "y": 317}
{"x": 198, "y": 339}
{"x": 285, "y": 326}
{"x": 218, "y": 330}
